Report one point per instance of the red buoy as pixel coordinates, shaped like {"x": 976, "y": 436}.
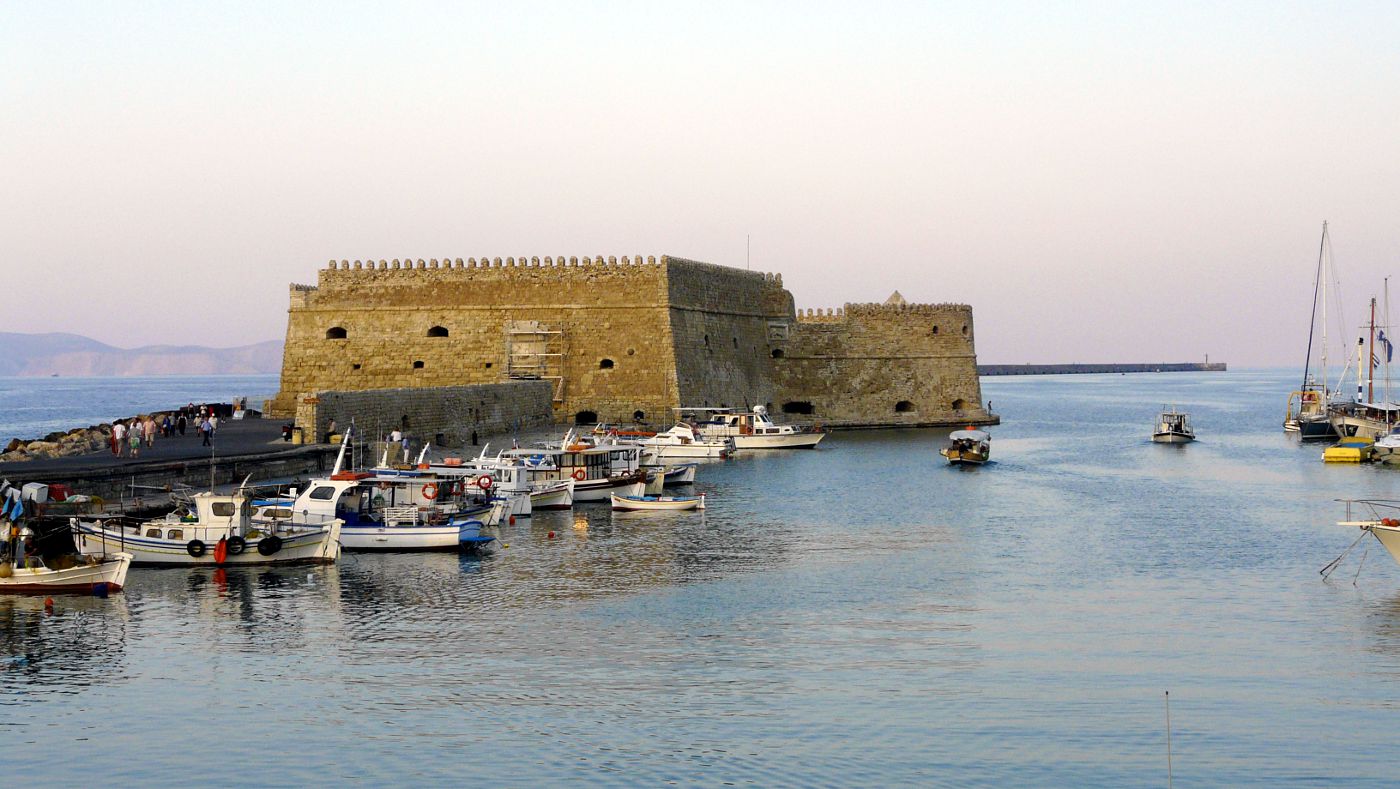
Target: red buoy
{"x": 551, "y": 535}
{"x": 512, "y": 520}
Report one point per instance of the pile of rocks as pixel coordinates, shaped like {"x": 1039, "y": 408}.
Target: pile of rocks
{"x": 80, "y": 441}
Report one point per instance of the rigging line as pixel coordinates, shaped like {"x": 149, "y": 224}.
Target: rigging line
{"x": 1361, "y": 564}
{"x": 1332, "y": 565}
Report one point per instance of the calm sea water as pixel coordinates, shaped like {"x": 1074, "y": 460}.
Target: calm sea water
{"x": 862, "y": 614}
{"x": 34, "y": 407}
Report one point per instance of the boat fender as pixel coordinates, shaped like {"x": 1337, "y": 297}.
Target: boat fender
{"x": 430, "y": 491}
{"x": 195, "y": 548}
{"x": 579, "y": 474}
{"x": 236, "y": 546}
{"x": 221, "y": 550}
{"x": 1390, "y": 522}
{"x": 269, "y": 545}
{"x": 485, "y": 482}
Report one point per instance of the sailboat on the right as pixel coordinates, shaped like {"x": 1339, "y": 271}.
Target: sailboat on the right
{"x": 1309, "y": 406}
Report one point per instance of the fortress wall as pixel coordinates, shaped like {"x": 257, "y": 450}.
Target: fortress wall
{"x": 604, "y": 307}
{"x": 445, "y": 416}
{"x": 719, "y": 321}
{"x": 857, "y": 365}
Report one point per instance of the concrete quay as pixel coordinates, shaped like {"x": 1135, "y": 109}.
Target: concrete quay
{"x": 241, "y": 447}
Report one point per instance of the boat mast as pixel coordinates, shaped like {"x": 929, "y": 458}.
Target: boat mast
{"x": 1371, "y": 370}
{"x": 1317, "y": 283}
{"x": 1323, "y": 271}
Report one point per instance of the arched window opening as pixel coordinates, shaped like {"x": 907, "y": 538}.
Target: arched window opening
{"x": 736, "y": 342}
{"x": 638, "y": 416}
{"x": 959, "y": 404}
{"x": 437, "y": 331}
{"x": 586, "y": 418}
{"x": 935, "y": 328}
{"x": 404, "y": 421}
{"x": 606, "y": 364}
{"x": 777, "y": 353}
{"x": 903, "y": 406}
{"x": 798, "y": 407}
{"x": 418, "y": 365}
{"x": 354, "y": 367}
{"x": 707, "y": 340}
{"x": 488, "y": 365}
{"x": 964, "y": 329}
{"x": 335, "y": 333}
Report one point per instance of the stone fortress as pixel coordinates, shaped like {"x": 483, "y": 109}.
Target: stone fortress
{"x": 619, "y": 340}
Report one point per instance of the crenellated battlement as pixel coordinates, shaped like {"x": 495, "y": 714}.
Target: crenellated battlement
{"x": 523, "y": 261}
{"x": 877, "y": 310}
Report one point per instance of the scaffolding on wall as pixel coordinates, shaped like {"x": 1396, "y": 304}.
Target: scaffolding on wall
{"x": 535, "y": 351}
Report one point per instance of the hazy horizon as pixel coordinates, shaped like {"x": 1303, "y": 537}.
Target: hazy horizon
{"x": 1100, "y": 182}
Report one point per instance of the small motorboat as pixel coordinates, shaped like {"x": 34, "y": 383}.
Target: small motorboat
{"x": 658, "y": 502}
{"x": 1355, "y": 449}
{"x": 1173, "y": 427}
{"x": 970, "y": 447}
{"x": 24, "y": 572}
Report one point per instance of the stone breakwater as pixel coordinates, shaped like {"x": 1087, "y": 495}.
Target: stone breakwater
{"x": 79, "y": 441}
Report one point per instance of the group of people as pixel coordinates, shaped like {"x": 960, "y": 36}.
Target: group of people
{"x": 141, "y": 431}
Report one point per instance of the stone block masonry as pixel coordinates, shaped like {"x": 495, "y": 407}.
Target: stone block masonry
{"x": 444, "y": 415}
{"x": 623, "y": 340}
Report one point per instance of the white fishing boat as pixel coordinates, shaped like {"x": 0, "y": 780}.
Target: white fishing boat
{"x": 555, "y": 495}
{"x": 754, "y": 430}
{"x": 681, "y": 441}
{"x": 1173, "y": 427}
{"x": 23, "y": 571}
{"x": 968, "y": 447}
{"x": 658, "y": 502}
{"x": 597, "y": 470}
{"x": 209, "y": 529}
{"x": 1365, "y": 416}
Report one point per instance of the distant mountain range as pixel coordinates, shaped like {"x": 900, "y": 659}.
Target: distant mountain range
{"x": 74, "y": 355}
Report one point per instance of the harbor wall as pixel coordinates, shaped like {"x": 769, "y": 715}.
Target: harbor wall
{"x": 444, "y": 415}
{"x": 1079, "y": 369}
{"x": 622, "y": 340}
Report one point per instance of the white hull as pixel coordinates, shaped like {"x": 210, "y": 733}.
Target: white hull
{"x": 788, "y": 441}
{"x": 713, "y": 451}
{"x": 83, "y": 579}
{"x": 682, "y": 475}
{"x": 601, "y": 489}
{"x": 400, "y": 538}
{"x": 317, "y": 546}
{"x": 1172, "y": 438}
{"x": 555, "y": 497}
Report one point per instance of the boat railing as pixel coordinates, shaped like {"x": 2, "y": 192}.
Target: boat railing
{"x": 1380, "y": 510}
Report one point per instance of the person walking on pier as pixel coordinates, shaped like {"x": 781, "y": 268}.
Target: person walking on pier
{"x": 134, "y": 438}
{"x": 180, "y": 424}
{"x": 118, "y": 438}
{"x": 207, "y": 431}
{"x": 149, "y": 428}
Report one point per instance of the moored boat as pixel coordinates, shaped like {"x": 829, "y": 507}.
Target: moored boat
{"x": 1381, "y": 518}
{"x": 754, "y": 430}
{"x": 968, "y": 447}
{"x": 632, "y": 503}
{"x": 24, "y": 571}
{"x": 1353, "y": 449}
{"x": 211, "y": 529}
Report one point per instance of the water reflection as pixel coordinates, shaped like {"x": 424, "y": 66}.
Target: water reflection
{"x": 79, "y": 642}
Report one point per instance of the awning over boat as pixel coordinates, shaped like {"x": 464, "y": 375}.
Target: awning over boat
{"x": 969, "y": 435}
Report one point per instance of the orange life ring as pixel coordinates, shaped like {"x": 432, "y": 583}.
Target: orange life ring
{"x": 485, "y": 482}
{"x": 579, "y": 474}
{"x": 430, "y": 491}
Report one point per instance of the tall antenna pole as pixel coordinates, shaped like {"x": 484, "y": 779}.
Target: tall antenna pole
{"x": 1371, "y": 370}
{"x": 1167, "y": 696}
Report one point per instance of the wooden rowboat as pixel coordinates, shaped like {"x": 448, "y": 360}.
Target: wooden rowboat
{"x": 658, "y": 502}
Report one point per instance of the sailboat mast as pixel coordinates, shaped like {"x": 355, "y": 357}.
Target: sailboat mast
{"x": 1317, "y": 284}
{"x": 1324, "y": 271}
{"x": 1371, "y": 370}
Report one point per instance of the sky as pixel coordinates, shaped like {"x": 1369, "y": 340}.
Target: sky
{"x": 1100, "y": 181}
